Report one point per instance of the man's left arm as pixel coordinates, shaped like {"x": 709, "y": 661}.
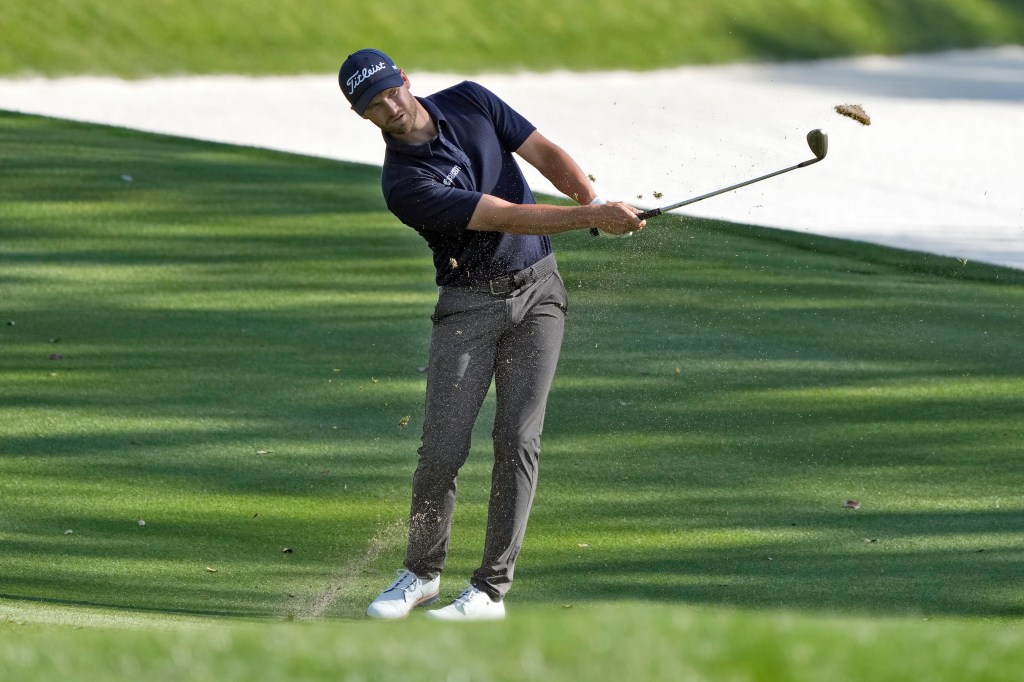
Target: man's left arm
{"x": 494, "y": 214}
{"x": 555, "y": 164}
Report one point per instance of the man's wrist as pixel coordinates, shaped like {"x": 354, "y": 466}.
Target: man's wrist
{"x": 597, "y": 201}
{"x": 595, "y": 231}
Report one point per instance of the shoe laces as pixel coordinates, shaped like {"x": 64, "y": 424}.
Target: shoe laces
{"x": 406, "y": 581}
{"x": 466, "y": 596}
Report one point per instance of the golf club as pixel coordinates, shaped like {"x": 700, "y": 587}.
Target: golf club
{"x": 817, "y": 140}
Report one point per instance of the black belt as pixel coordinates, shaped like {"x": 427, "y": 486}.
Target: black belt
{"x": 506, "y": 284}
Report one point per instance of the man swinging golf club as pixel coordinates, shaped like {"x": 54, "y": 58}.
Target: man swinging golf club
{"x": 449, "y": 173}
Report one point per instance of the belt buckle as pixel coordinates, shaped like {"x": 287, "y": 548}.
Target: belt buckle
{"x": 505, "y": 281}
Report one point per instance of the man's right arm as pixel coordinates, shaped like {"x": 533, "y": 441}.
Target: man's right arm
{"x": 497, "y": 215}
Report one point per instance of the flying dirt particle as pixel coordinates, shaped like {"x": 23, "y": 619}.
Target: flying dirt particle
{"x": 287, "y": 550}
{"x": 657, "y": 195}
{"x": 590, "y": 176}
{"x": 453, "y": 264}
{"x": 403, "y": 422}
{"x": 852, "y": 504}
{"x": 854, "y": 111}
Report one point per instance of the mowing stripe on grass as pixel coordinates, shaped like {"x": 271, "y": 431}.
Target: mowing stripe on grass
{"x": 716, "y": 409}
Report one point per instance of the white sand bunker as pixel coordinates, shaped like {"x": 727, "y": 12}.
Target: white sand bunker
{"x": 939, "y": 169}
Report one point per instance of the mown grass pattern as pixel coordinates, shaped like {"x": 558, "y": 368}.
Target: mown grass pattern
{"x": 224, "y": 343}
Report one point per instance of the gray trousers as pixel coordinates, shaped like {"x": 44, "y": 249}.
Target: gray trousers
{"x": 515, "y": 340}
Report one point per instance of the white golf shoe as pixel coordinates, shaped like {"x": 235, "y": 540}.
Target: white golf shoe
{"x": 402, "y": 596}
{"x": 470, "y": 605}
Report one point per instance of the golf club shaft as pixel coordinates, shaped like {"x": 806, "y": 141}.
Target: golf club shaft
{"x": 817, "y": 140}
{"x": 658, "y": 211}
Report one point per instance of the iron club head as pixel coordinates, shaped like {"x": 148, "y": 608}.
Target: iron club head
{"x": 817, "y": 140}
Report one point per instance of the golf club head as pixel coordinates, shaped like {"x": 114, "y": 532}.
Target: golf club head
{"x": 817, "y": 140}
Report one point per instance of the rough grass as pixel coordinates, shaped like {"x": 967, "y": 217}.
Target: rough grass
{"x": 136, "y": 38}
{"x": 223, "y": 343}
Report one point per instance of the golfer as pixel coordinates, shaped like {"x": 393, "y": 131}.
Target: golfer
{"x": 449, "y": 173}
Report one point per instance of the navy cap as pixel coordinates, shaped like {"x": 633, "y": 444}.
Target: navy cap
{"x": 364, "y": 74}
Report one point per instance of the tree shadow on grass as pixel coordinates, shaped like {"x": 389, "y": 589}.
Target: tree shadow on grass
{"x": 241, "y": 333}
{"x": 882, "y": 563}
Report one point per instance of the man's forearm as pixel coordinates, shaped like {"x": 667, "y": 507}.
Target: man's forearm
{"x": 564, "y": 173}
{"x": 560, "y": 169}
{"x": 496, "y": 215}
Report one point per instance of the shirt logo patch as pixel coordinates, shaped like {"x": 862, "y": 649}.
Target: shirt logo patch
{"x": 452, "y": 175}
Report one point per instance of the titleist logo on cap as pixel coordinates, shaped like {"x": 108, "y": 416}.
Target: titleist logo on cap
{"x": 359, "y": 76}
{"x": 366, "y": 73}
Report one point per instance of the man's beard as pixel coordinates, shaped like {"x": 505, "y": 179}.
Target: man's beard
{"x": 404, "y": 126}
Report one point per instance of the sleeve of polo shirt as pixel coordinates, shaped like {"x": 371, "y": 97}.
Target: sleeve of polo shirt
{"x": 511, "y": 126}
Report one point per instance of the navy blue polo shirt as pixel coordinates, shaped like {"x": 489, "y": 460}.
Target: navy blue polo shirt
{"x": 435, "y": 187}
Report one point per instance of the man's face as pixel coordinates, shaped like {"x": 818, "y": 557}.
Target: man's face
{"x": 393, "y": 110}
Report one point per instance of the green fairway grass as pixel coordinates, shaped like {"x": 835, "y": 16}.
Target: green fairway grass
{"x": 136, "y": 38}
{"x": 604, "y": 643}
{"x": 225, "y": 343}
